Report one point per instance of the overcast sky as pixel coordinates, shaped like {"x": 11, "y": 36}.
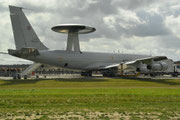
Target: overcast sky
{"x": 128, "y": 26}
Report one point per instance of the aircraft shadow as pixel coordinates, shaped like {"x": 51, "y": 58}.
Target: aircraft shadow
{"x": 16, "y": 82}
{"x": 89, "y": 79}
{"x": 30, "y": 81}
{"x": 161, "y": 81}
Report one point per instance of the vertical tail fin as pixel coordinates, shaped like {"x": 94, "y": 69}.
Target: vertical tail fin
{"x": 24, "y": 35}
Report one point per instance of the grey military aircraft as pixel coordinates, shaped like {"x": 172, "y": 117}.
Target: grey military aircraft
{"x": 29, "y": 47}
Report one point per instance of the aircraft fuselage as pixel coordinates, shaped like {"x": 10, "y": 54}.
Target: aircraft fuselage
{"x": 82, "y": 61}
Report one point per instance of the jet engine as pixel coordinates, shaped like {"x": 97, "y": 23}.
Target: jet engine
{"x": 161, "y": 66}
{"x": 142, "y": 69}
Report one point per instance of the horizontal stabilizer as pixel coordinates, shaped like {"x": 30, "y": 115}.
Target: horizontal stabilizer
{"x": 24, "y": 52}
{"x": 3, "y": 53}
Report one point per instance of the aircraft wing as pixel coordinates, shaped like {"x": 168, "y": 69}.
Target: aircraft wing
{"x": 108, "y": 66}
{"x": 102, "y": 66}
{"x": 146, "y": 60}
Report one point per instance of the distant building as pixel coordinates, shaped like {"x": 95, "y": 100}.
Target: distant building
{"x": 11, "y": 70}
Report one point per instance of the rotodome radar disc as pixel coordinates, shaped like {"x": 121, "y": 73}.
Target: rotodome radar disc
{"x": 73, "y": 28}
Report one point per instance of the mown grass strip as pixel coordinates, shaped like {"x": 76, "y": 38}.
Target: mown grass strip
{"x": 105, "y": 95}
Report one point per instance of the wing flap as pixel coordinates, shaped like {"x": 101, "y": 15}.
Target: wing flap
{"x": 109, "y": 66}
{"x": 147, "y": 60}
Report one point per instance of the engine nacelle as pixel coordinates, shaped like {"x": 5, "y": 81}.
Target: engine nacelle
{"x": 161, "y": 66}
{"x": 142, "y": 69}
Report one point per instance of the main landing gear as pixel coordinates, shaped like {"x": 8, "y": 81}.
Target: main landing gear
{"x": 87, "y": 74}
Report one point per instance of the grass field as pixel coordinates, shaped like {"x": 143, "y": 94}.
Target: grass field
{"x": 90, "y": 99}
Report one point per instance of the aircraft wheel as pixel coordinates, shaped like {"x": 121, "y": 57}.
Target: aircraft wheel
{"x": 174, "y": 75}
{"x": 108, "y": 75}
{"x": 104, "y": 75}
{"x": 87, "y": 74}
{"x": 14, "y": 77}
{"x": 152, "y": 74}
{"x": 19, "y": 76}
{"x": 37, "y": 76}
{"x": 25, "y": 77}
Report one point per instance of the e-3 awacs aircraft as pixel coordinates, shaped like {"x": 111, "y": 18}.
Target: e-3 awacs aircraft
{"x": 29, "y": 47}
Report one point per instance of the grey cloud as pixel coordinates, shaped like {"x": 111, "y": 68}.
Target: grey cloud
{"x": 170, "y": 42}
{"x": 153, "y": 26}
{"x": 3, "y": 8}
{"x": 93, "y": 14}
{"x": 132, "y": 4}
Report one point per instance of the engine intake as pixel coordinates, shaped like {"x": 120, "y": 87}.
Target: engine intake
{"x": 161, "y": 66}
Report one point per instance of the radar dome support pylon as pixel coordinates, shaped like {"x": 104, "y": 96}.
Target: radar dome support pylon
{"x": 73, "y": 42}
{"x": 73, "y": 31}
